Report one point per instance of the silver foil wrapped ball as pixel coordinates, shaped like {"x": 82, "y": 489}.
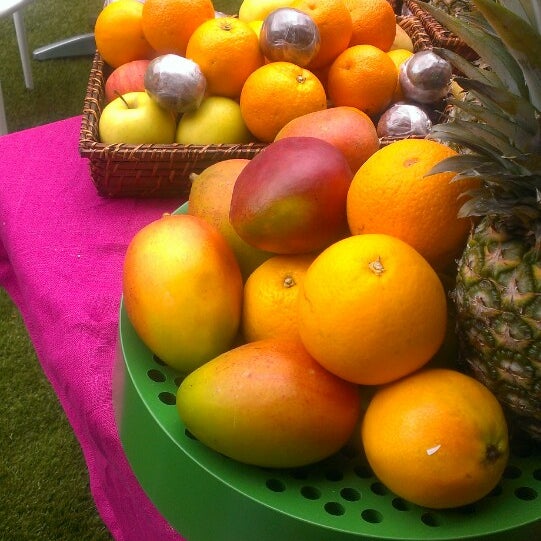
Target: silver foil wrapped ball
{"x": 175, "y": 83}
{"x": 289, "y": 35}
{"x": 428, "y": 70}
{"x": 425, "y": 77}
{"x": 402, "y": 120}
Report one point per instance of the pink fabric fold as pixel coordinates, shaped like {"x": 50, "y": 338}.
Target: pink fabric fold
{"x": 61, "y": 253}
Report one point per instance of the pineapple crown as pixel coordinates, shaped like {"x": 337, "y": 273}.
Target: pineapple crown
{"x": 503, "y": 139}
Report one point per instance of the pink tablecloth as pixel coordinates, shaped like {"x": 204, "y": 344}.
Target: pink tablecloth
{"x": 61, "y": 253}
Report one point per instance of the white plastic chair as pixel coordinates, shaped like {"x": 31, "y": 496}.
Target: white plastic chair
{"x": 3, "y": 121}
{"x": 14, "y": 8}
{"x": 81, "y": 45}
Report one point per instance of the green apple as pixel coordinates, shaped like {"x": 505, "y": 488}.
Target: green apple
{"x": 216, "y": 121}
{"x": 135, "y": 118}
{"x": 257, "y": 10}
{"x": 402, "y": 40}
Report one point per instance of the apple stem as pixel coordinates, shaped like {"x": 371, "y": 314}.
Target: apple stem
{"x": 122, "y": 98}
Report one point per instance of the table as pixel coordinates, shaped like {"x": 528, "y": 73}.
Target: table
{"x": 61, "y": 253}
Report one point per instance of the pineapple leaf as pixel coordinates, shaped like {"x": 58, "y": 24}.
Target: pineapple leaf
{"x": 524, "y": 9}
{"x": 467, "y": 68}
{"x": 474, "y": 18}
{"x": 487, "y": 46}
{"x": 466, "y": 163}
{"x": 486, "y": 135}
{"x": 488, "y": 170}
{"x": 516, "y": 107}
{"x": 522, "y": 41}
{"x": 517, "y": 135}
{"x": 480, "y": 205}
{"x": 462, "y": 134}
{"x": 450, "y": 132}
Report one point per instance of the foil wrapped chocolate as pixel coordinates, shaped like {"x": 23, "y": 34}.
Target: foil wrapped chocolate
{"x": 404, "y": 120}
{"x": 425, "y": 77}
{"x": 289, "y": 35}
{"x": 175, "y": 83}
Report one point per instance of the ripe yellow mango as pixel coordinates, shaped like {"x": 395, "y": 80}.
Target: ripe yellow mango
{"x": 182, "y": 290}
{"x": 210, "y": 199}
{"x": 270, "y": 404}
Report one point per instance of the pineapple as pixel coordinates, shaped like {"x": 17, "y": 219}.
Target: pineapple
{"x": 498, "y": 287}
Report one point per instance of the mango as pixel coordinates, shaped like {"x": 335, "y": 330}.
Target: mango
{"x": 182, "y": 290}
{"x": 210, "y": 199}
{"x": 291, "y": 197}
{"x": 349, "y": 129}
{"x": 269, "y": 403}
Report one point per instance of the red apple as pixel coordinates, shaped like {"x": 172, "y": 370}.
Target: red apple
{"x": 291, "y": 197}
{"x": 129, "y": 77}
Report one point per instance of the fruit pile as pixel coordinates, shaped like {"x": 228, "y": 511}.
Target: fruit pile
{"x": 304, "y": 306}
{"x": 182, "y": 72}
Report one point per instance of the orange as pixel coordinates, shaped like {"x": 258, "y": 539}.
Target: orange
{"x": 276, "y": 93}
{"x": 270, "y": 298}
{"x": 391, "y": 193}
{"x": 371, "y": 309}
{"x": 119, "y": 33}
{"x": 398, "y": 56}
{"x": 227, "y": 51}
{"x": 374, "y": 23}
{"x": 362, "y": 76}
{"x": 322, "y": 74}
{"x": 437, "y": 438}
{"x": 168, "y": 24}
{"x": 333, "y": 20}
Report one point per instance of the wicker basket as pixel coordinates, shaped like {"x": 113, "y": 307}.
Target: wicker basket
{"x": 416, "y": 31}
{"x": 438, "y": 34}
{"x": 397, "y": 6}
{"x": 144, "y": 171}
{"x": 148, "y": 170}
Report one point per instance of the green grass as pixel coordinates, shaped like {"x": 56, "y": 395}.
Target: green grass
{"x": 43, "y": 478}
{"x": 60, "y": 84}
{"x": 44, "y": 490}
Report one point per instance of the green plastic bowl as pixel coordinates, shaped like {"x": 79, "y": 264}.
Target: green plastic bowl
{"x": 208, "y": 497}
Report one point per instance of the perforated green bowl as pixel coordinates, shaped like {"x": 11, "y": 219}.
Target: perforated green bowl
{"x": 208, "y": 497}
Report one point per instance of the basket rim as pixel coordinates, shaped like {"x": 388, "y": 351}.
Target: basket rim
{"x": 163, "y": 170}
{"x": 89, "y": 143}
{"x": 91, "y": 146}
{"x": 439, "y": 34}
